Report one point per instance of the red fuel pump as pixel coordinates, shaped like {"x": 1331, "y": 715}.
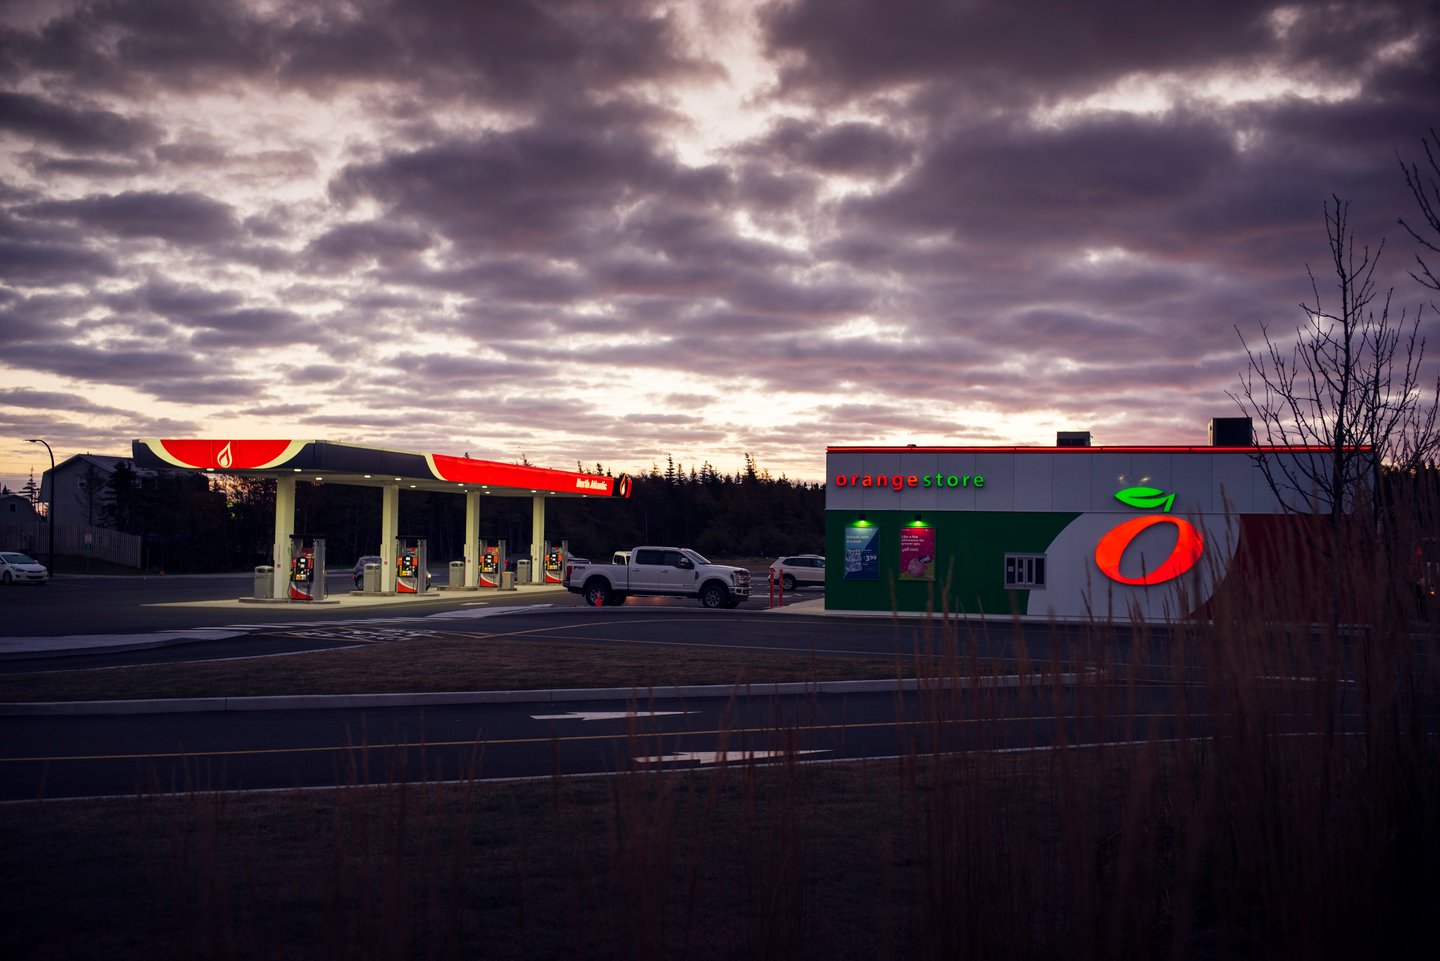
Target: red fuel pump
{"x": 307, "y": 568}
{"x": 555, "y": 562}
{"x": 492, "y": 564}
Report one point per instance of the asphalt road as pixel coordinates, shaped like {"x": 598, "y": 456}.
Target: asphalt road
{"x": 80, "y": 756}
{"x": 110, "y": 754}
{"x": 189, "y": 619}
{"x": 75, "y": 604}
{"x": 242, "y": 748}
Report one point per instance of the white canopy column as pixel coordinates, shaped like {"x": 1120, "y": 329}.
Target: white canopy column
{"x": 389, "y": 530}
{"x": 284, "y": 527}
{"x": 472, "y": 540}
{"x": 537, "y": 537}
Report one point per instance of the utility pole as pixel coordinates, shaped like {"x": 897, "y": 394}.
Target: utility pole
{"x": 49, "y": 505}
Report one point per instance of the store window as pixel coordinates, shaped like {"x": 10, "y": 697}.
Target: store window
{"x": 1024, "y": 571}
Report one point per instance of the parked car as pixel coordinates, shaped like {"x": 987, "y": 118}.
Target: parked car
{"x": 799, "y": 570}
{"x": 358, "y": 575}
{"x": 17, "y": 568}
{"x": 657, "y": 572}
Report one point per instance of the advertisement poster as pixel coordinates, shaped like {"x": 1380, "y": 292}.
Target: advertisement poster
{"x": 917, "y": 554}
{"x": 862, "y": 553}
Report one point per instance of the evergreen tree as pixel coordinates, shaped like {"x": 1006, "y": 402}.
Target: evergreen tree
{"x": 31, "y": 491}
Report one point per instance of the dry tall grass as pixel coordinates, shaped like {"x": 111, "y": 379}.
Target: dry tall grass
{"x": 1251, "y": 786}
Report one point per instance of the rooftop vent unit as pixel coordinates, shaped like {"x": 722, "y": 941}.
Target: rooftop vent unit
{"x": 1072, "y": 438}
{"x": 1231, "y": 432}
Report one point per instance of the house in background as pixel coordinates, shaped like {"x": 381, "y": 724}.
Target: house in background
{"x": 17, "y": 509}
{"x": 82, "y": 488}
{"x": 81, "y": 485}
{"x": 21, "y": 527}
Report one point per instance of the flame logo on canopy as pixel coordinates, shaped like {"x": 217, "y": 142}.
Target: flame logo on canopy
{"x": 225, "y": 457}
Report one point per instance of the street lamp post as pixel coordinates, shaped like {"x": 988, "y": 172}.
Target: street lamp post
{"x": 50, "y": 504}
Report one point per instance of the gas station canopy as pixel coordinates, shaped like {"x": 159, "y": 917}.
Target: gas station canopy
{"x": 334, "y": 463}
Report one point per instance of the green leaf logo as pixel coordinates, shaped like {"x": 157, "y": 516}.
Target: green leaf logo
{"x": 1146, "y": 498}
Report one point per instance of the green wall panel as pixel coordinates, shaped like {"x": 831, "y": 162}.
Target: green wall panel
{"x": 970, "y": 549}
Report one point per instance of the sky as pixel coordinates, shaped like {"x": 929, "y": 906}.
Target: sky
{"x": 624, "y": 232}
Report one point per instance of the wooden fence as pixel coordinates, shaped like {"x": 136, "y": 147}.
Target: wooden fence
{"x": 76, "y": 540}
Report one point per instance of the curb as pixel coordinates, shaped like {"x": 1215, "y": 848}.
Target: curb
{"x": 180, "y": 637}
{"x": 313, "y": 702}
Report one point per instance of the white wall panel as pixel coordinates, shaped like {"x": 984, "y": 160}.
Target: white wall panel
{"x": 1001, "y": 471}
{"x": 846, "y": 463}
{"x": 1050, "y": 480}
{"x": 1071, "y": 483}
{"x": 920, "y": 498}
{"x": 1157, "y": 469}
{"x": 1109, "y": 473}
{"x": 961, "y": 465}
{"x": 1233, "y": 484}
{"x": 1034, "y": 481}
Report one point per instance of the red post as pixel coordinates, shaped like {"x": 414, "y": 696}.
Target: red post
{"x": 777, "y": 590}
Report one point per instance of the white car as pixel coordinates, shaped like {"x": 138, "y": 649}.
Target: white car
{"x": 799, "y": 570}
{"x": 17, "y": 568}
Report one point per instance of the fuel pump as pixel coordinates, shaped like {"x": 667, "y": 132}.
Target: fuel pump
{"x": 411, "y": 574}
{"x": 555, "y": 561}
{"x": 492, "y": 564}
{"x": 307, "y": 568}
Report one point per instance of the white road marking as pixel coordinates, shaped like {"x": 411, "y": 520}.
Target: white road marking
{"x": 474, "y": 612}
{"x": 720, "y": 757}
{"x": 601, "y": 715}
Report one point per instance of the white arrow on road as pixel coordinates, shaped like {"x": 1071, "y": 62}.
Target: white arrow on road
{"x": 720, "y": 757}
{"x": 601, "y": 715}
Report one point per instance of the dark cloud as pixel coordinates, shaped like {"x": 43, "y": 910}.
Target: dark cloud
{"x": 943, "y": 221}
{"x": 178, "y": 217}
{"x": 555, "y": 187}
{"x": 1006, "y": 52}
{"x": 80, "y": 130}
{"x": 1087, "y": 183}
{"x": 89, "y": 167}
{"x": 857, "y": 149}
{"x": 184, "y": 301}
{"x": 351, "y": 242}
{"x": 52, "y": 400}
{"x": 474, "y": 373}
{"x": 40, "y": 262}
{"x": 252, "y": 328}
{"x": 509, "y": 52}
{"x": 315, "y": 374}
{"x": 160, "y": 371}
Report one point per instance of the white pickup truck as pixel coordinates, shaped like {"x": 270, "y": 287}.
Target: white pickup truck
{"x": 658, "y": 572}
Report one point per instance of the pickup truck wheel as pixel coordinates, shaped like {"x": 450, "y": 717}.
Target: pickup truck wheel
{"x": 714, "y": 595}
{"x": 597, "y": 594}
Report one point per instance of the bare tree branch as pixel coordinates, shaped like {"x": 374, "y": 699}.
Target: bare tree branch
{"x": 1426, "y": 191}
{"x": 1348, "y": 386}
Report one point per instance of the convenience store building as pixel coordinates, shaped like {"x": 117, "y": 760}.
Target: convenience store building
{"x": 1071, "y": 531}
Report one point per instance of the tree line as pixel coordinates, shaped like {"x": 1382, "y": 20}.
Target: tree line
{"x": 192, "y": 522}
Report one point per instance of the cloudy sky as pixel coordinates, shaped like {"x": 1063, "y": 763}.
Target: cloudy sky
{"x": 623, "y": 231}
